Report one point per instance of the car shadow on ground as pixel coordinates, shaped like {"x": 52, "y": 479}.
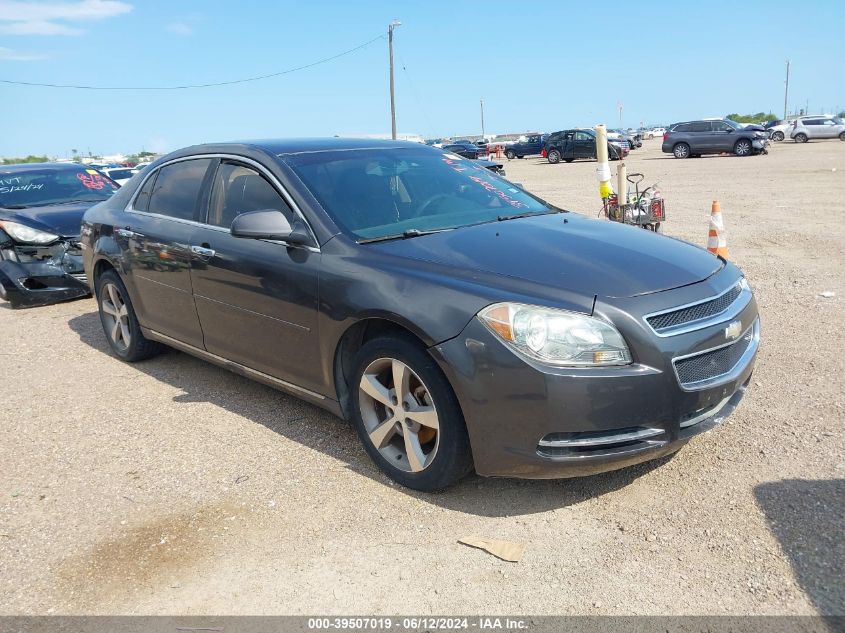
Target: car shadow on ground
{"x": 310, "y": 426}
{"x": 808, "y": 518}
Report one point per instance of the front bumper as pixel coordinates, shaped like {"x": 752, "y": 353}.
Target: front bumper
{"x": 533, "y": 421}
{"x": 40, "y": 275}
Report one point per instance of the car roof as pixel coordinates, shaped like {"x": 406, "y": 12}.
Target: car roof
{"x": 281, "y": 147}
{"x": 21, "y": 167}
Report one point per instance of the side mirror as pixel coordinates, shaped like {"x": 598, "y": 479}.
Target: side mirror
{"x": 268, "y": 224}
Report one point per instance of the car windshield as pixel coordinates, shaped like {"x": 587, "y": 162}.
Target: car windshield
{"x": 733, "y": 124}
{"x": 40, "y": 187}
{"x": 377, "y": 193}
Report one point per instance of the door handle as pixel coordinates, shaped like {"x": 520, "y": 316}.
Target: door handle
{"x": 203, "y": 252}
{"x": 126, "y": 232}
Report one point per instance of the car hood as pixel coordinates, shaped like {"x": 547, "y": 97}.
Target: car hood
{"x": 566, "y": 251}
{"x": 64, "y": 220}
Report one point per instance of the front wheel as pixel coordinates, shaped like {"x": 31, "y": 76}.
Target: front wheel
{"x": 407, "y": 415}
{"x": 800, "y": 138}
{"x": 510, "y": 155}
{"x": 777, "y": 136}
{"x": 554, "y": 156}
{"x": 842, "y": 136}
{"x": 120, "y": 324}
{"x": 742, "y": 147}
{"x": 681, "y": 150}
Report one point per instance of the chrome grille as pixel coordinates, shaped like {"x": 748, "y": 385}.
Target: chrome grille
{"x": 697, "y": 312}
{"x": 710, "y": 365}
{"x": 79, "y": 277}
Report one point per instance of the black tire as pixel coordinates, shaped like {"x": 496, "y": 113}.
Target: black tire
{"x": 681, "y": 150}
{"x": 800, "y": 137}
{"x": 453, "y": 458}
{"x": 139, "y": 347}
{"x": 510, "y": 155}
{"x": 743, "y": 147}
{"x": 553, "y": 156}
{"x": 778, "y": 136}
{"x": 568, "y": 160}
{"x": 842, "y": 136}
{"x": 520, "y": 157}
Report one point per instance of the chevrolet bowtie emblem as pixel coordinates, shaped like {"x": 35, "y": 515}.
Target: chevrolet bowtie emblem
{"x": 733, "y": 330}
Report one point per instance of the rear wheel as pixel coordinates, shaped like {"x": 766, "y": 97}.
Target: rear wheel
{"x": 742, "y": 147}
{"x": 681, "y": 150}
{"x": 407, "y": 415}
{"x": 777, "y": 136}
{"x": 842, "y": 136}
{"x": 800, "y": 137}
{"x": 119, "y": 321}
{"x": 554, "y": 156}
{"x": 568, "y": 160}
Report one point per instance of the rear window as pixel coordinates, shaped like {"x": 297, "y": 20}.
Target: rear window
{"x": 42, "y": 187}
{"x": 120, "y": 173}
{"x": 177, "y": 188}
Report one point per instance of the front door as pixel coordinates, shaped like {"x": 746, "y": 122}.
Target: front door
{"x": 156, "y": 246}
{"x": 585, "y": 145}
{"x": 256, "y": 299}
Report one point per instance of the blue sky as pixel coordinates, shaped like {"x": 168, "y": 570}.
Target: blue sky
{"x": 537, "y": 65}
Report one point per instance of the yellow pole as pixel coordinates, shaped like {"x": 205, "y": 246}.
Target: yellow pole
{"x": 603, "y": 169}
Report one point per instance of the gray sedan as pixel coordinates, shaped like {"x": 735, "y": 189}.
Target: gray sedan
{"x": 457, "y": 321}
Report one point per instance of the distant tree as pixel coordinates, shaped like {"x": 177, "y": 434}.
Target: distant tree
{"x": 28, "y": 159}
{"x": 759, "y": 117}
{"x": 841, "y": 115}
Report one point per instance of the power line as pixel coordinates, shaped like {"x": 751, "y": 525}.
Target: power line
{"x": 189, "y": 86}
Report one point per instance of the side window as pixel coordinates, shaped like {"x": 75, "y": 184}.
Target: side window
{"x": 812, "y": 122}
{"x": 142, "y": 201}
{"x": 177, "y": 188}
{"x": 582, "y": 136}
{"x": 238, "y": 189}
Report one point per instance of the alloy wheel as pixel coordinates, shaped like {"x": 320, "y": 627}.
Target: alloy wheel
{"x": 399, "y": 414}
{"x": 115, "y": 316}
{"x": 681, "y": 150}
{"x": 743, "y": 148}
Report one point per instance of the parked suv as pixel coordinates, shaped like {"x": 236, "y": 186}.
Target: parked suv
{"x": 694, "y": 138}
{"x": 815, "y": 127}
{"x": 571, "y": 144}
{"x": 532, "y": 144}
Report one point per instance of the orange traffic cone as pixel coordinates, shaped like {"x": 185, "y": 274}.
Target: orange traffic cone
{"x": 716, "y": 241}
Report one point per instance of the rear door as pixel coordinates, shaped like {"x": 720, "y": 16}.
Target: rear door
{"x": 256, "y": 299}
{"x": 813, "y": 127}
{"x": 156, "y": 246}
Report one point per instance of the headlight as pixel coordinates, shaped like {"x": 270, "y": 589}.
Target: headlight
{"x": 27, "y": 235}
{"x": 556, "y": 337}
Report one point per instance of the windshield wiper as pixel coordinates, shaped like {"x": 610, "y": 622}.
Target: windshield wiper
{"x": 58, "y": 202}
{"x": 401, "y": 236}
{"x": 527, "y": 214}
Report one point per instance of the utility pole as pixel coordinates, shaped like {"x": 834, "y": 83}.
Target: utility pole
{"x": 483, "y": 137}
{"x": 390, "y": 28}
{"x": 786, "y": 90}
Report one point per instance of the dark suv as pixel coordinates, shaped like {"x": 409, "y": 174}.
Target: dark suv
{"x": 571, "y": 144}
{"x": 533, "y": 144}
{"x": 694, "y": 138}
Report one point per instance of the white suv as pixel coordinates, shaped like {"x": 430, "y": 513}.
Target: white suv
{"x": 813, "y": 127}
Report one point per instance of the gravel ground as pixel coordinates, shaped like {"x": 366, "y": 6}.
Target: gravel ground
{"x": 173, "y": 486}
